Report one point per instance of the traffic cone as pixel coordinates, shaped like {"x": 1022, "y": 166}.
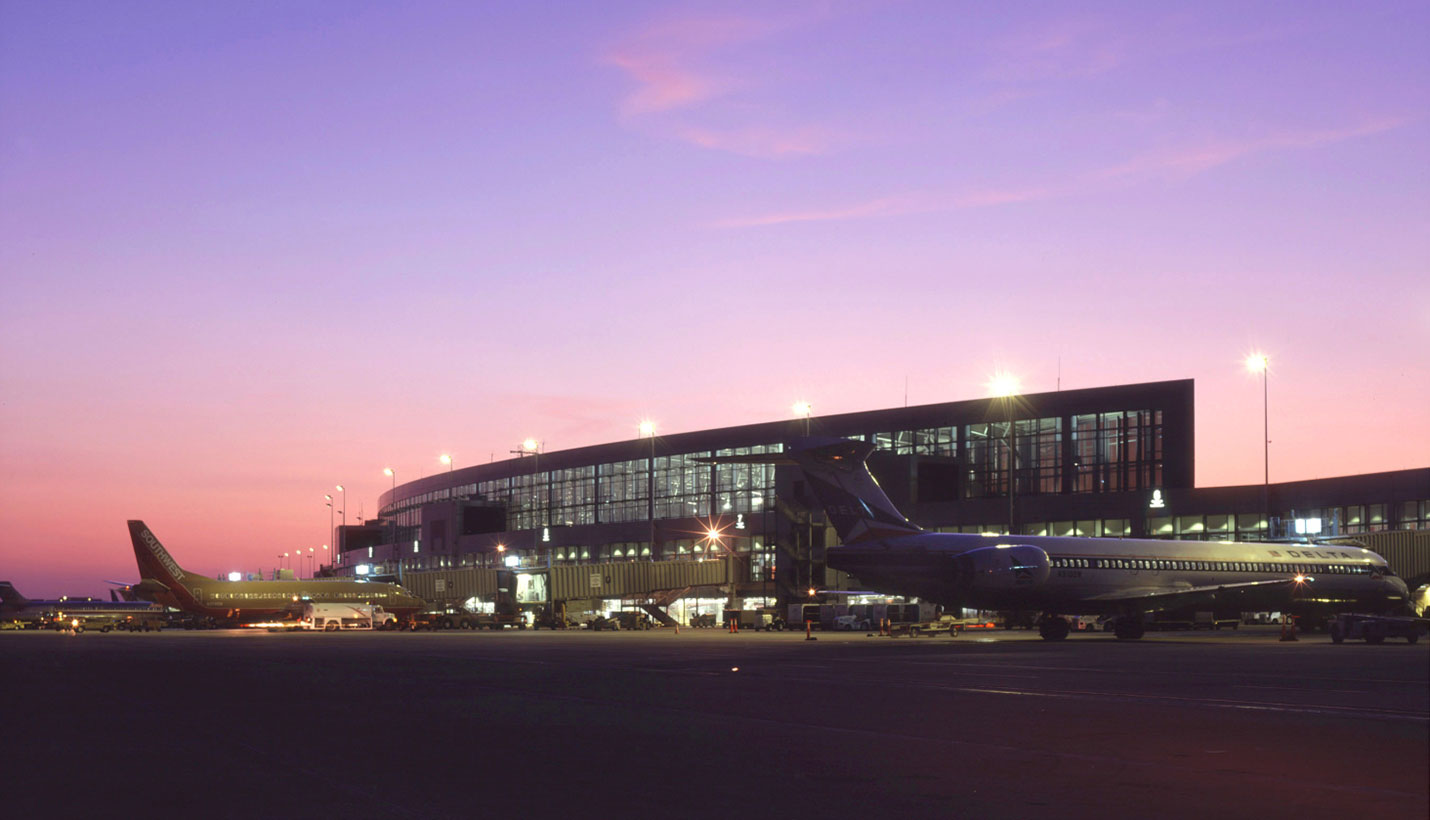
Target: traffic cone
{"x": 1287, "y": 635}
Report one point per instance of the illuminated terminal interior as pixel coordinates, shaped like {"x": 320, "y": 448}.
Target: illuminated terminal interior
{"x": 1111, "y": 461}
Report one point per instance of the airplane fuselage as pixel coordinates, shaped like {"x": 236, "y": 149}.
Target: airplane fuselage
{"x": 1094, "y": 576}
{"x": 256, "y": 600}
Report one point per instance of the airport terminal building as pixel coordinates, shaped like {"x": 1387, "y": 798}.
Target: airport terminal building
{"x": 630, "y": 521}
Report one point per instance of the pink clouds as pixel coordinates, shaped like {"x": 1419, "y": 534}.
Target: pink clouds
{"x": 670, "y": 62}
{"x": 681, "y": 68}
{"x": 1189, "y": 160}
{"x": 762, "y": 141}
{"x": 1177, "y": 163}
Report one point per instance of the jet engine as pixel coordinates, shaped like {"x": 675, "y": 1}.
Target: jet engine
{"x": 1012, "y": 566}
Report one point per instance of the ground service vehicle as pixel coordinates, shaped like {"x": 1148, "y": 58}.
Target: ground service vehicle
{"x": 1375, "y": 628}
{"x": 336, "y": 617}
{"x": 143, "y": 623}
{"x": 630, "y": 619}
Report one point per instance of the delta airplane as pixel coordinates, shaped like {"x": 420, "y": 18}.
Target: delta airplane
{"x": 1119, "y": 578}
{"x": 16, "y": 607}
{"x": 165, "y": 582}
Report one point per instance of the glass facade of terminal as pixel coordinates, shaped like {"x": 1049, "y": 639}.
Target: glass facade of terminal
{"x": 1117, "y": 458}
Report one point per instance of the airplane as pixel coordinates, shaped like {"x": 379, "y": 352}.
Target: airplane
{"x": 16, "y": 607}
{"x": 1121, "y": 579}
{"x": 165, "y": 582}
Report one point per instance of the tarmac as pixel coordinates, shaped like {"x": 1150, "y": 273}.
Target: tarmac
{"x": 247, "y": 723}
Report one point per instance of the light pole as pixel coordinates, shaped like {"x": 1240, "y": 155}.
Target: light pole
{"x": 331, "y": 531}
{"x": 343, "y": 512}
{"x": 392, "y": 503}
{"x": 1005, "y": 385}
{"x": 1261, "y": 363}
{"x": 803, "y": 408}
{"x": 647, "y": 430}
{"x": 714, "y": 538}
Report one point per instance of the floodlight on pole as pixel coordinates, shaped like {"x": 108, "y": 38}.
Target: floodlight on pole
{"x": 1261, "y": 363}
{"x": 1003, "y": 385}
{"x": 803, "y": 408}
{"x": 345, "y": 506}
{"x": 447, "y": 460}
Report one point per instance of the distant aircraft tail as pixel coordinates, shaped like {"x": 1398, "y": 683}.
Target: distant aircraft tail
{"x": 156, "y": 564}
{"x": 10, "y": 598}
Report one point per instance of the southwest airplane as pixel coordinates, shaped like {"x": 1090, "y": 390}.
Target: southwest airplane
{"x": 1120, "y": 578}
{"x": 165, "y": 582}
{"x": 14, "y": 606}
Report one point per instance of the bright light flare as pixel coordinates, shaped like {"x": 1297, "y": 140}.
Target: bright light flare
{"x": 647, "y": 428}
{"x": 387, "y": 471}
{"x": 1002, "y": 385}
{"x": 1257, "y": 362}
{"x": 530, "y": 445}
{"x": 802, "y": 408}
{"x": 444, "y": 458}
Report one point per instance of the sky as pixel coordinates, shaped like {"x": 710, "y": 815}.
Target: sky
{"x": 250, "y": 251}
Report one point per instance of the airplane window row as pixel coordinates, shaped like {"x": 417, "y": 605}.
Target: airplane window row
{"x": 272, "y": 596}
{"x": 1157, "y": 565}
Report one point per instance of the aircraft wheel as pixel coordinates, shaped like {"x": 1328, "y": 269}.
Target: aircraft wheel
{"x": 1129, "y": 629}
{"x": 104, "y": 629}
{"x": 1053, "y": 628}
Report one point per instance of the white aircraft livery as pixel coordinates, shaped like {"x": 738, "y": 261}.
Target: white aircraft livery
{"x": 1118, "y": 578}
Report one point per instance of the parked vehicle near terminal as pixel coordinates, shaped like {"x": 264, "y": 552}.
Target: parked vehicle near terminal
{"x": 1375, "y": 628}
{"x": 453, "y": 617}
{"x": 343, "y": 617}
{"x": 143, "y": 623}
{"x": 631, "y": 619}
{"x": 82, "y": 623}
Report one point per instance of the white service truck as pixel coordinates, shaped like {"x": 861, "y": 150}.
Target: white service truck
{"x": 336, "y": 617}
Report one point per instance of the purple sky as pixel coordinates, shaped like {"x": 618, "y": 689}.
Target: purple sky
{"x": 253, "y": 250}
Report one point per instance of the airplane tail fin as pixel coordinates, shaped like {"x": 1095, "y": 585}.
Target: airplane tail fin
{"x": 836, "y": 470}
{"x": 10, "y": 598}
{"x": 155, "y": 562}
{"x": 855, "y": 503}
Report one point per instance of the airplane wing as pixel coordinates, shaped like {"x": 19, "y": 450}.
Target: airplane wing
{"x": 1150, "y": 598}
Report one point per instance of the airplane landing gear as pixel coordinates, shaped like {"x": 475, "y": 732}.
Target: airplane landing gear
{"x": 1129, "y": 628}
{"x": 1053, "y": 628}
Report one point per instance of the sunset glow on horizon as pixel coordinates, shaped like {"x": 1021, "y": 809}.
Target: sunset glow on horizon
{"x": 254, "y": 252}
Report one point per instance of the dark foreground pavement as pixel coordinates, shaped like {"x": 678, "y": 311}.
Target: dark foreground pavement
{"x": 705, "y": 724}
